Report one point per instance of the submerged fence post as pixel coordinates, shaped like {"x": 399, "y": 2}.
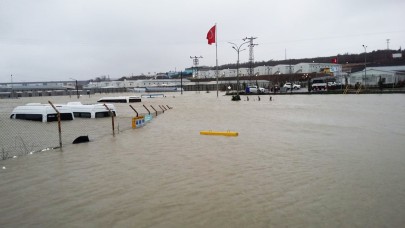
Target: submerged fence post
{"x": 134, "y": 110}
{"x": 4, "y": 155}
{"x": 59, "y": 125}
{"x": 112, "y": 118}
{"x": 146, "y": 109}
{"x": 154, "y": 109}
{"x": 161, "y": 108}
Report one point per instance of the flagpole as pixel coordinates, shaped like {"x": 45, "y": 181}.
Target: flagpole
{"x": 216, "y": 53}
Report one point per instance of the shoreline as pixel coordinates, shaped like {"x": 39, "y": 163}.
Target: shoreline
{"x": 372, "y": 91}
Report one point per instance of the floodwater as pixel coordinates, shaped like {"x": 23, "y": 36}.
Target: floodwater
{"x": 299, "y": 161}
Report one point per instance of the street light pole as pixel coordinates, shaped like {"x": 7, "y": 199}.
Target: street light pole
{"x": 365, "y": 65}
{"x": 237, "y": 49}
{"x": 77, "y": 88}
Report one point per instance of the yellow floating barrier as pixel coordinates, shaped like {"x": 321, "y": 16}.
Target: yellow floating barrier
{"x": 223, "y": 133}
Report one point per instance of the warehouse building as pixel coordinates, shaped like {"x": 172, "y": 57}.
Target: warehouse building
{"x": 371, "y": 77}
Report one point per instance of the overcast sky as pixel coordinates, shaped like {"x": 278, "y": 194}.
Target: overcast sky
{"x": 83, "y": 39}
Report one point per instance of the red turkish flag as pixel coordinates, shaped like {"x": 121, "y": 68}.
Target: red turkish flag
{"x": 211, "y": 35}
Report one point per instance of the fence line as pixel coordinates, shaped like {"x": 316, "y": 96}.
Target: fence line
{"x": 20, "y": 137}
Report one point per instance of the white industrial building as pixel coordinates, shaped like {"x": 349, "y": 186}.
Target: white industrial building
{"x": 263, "y": 70}
{"x": 207, "y": 74}
{"x": 283, "y": 69}
{"x": 227, "y": 73}
{"x": 371, "y": 77}
{"x": 306, "y": 68}
{"x": 135, "y": 83}
{"x": 301, "y": 68}
{"x": 109, "y": 84}
{"x": 244, "y": 71}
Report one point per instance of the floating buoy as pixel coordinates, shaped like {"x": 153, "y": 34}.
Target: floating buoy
{"x": 223, "y": 133}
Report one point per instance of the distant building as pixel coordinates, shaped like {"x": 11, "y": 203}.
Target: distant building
{"x": 227, "y": 73}
{"x": 263, "y": 70}
{"x": 207, "y": 74}
{"x": 135, "y": 83}
{"x": 36, "y": 89}
{"x": 244, "y": 71}
{"x": 283, "y": 69}
{"x": 301, "y": 68}
{"x": 306, "y": 68}
{"x": 371, "y": 77}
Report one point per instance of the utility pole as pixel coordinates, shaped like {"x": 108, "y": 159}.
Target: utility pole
{"x": 251, "y": 54}
{"x": 388, "y": 44}
{"x": 196, "y": 62}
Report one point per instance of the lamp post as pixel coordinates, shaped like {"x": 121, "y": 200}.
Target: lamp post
{"x": 77, "y": 88}
{"x": 237, "y": 49}
{"x": 365, "y": 65}
{"x": 196, "y": 62}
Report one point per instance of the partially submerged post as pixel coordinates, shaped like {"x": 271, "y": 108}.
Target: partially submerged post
{"x": 161, "y": 108}
{"x": 112, "y": 118}
{"x": 59, "y": 125}
{"x": 134, "y": 110}
{"x": 146, "y": 109}
{"x": 155, "y": 110}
